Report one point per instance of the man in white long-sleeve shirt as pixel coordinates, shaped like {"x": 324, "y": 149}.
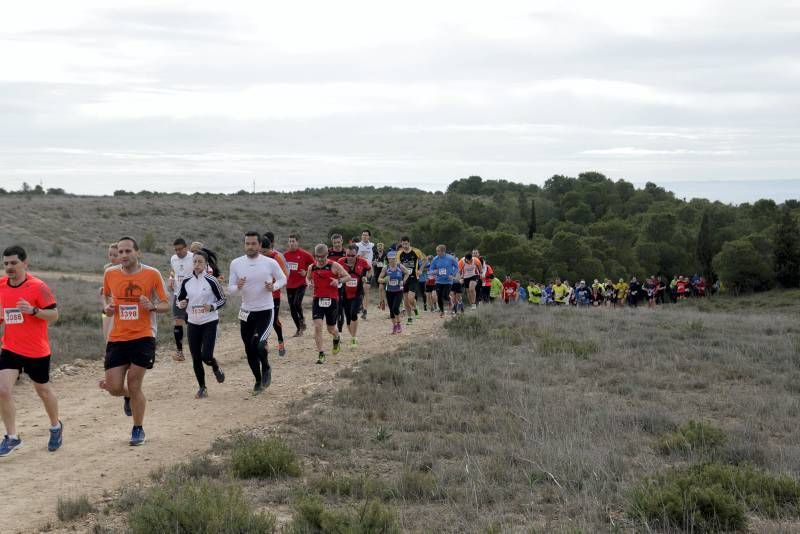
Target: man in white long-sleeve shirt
{"x": 255, "y": 277}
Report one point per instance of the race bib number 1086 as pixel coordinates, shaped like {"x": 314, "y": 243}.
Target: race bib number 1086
{"x": 12, "y": 316}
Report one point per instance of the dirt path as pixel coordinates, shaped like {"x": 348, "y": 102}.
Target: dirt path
{"x": 85, "y": 277}
{"x": 96, "y": 455}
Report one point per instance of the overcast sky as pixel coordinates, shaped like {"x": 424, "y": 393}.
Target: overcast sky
{"x": 699, "y": 96}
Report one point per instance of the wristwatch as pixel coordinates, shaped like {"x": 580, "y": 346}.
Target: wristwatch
{"x": 34, "y": 311}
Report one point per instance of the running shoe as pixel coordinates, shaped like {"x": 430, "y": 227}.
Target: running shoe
{"x": 410, "y": 320}
{"x": 281, "y": 349}
{"x": 399, "y": 329}
{"x": 202, "y": 393}
{"x": 416, "y": 312}
{"x": 353, "y": 343}
{"x": 266, "y": 378}
{"x": 298, "y": 333}
{"x": 137, "y": 436}
{"x": 473, "y": 307}
{"x": 258, "y": 388}
{"x": 220, "y": 376}
{"x": 9, "y": 445}
{"x": 126, "y": 407}
{"x": 56, "y": 437}
{"x": 441, "y": 315}
{"x": 321, "y": 358}
{"x": 364, "y": 314}
{"x": 178, "y": 356}
{"x": 336, "y": 345}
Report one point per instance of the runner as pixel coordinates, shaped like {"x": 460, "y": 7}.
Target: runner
{"x": 134, "y": 294}
{"x": 298, "y": 261}
{"x": 534, "y": 293}
{"x": 28, "y": 308}
{"x": 325, "y": 276}
{"x": 256, "y": 277}
{"x": 430, "y": 285}
{"x": 486, "y": 281}
{"x": 393, "y": 279}
{"x": 446, "y": 267}
{"x": 560, "y": 292}
{"x": 495, "y": 289}
{"x": 268, "y": 250}
{"x": 510, "y": 288}
{"x": 113, "y": 259}
{"x": 201, "y": 295}
{"x": 412, "y": 259}
{"x": 357, "y": 268}
{"x": 366, "y": 251}
{"x": 470, "y": 269}
{"x": 180, "y": 266}
{"x": 335, "y": 252}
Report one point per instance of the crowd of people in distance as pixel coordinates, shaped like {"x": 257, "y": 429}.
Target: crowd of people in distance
{"x": 652, "y": 291}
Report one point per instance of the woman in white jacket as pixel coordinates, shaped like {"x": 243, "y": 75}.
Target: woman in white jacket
{"x": 201, "y": 295}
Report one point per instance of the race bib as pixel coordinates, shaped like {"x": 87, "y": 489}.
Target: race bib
{"x": 379, "y": 264}
{"x": 352, "y": 283}
{"x": 128, "y": 312}
{"x": 198, "y": 309}
{"x": 292, "y": 265}
{"x": 243, "y": 315}
{"x": 324, "y": 303}
{"x": 394, "y": 282}
{"x": 13, "y": 316}
{"x": 443, "y": 271}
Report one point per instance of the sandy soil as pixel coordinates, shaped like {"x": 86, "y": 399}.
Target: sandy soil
{"x": 96, "y": 456}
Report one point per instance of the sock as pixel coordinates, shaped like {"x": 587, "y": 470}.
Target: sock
{"x": 56, "y": 427}
{"x": 178, "y": 331}
{"x": 13, "y": 437}
{"x": 137, "y": 426}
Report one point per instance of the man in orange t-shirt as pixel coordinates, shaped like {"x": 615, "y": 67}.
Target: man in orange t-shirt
{"x": 133, "y": 293}
{"x": 28, "y": 307}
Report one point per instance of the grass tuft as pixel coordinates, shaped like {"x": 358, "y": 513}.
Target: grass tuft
{"x": 694, "y": 436}
{"x": 310, "y": 515}
{"x": 263, "y": 458}
{"x": 69, "y": 508}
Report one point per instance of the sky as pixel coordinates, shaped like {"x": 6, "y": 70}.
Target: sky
{"x": 700, "y": 97}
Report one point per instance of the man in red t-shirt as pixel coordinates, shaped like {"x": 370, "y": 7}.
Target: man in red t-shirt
{"x": 297, "y": 261}
{"x": 28, "y": 307}
{"x": 510, "y": 288}
{"x": 357, "y": 268}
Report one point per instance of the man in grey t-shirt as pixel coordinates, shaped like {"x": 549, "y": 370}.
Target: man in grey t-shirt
{"x": 365, "y": 249}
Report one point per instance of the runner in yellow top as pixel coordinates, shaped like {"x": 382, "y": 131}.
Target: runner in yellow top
{"x": 560, "y": 292}
{"x": 414, "y": 260}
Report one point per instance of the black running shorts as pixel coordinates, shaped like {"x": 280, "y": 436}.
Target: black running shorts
{"x": 141, "y": 352}
{"x": 38, "y": 369}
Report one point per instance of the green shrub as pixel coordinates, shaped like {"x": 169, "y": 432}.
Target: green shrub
{"x": 310, "y": 516}
{"x": 418, "y": 485}
{"x": 263, "y": 458}
{"x": 69, "y": 508}
{"x": 469, "y": 326}
{"x": 200, "y": 507}
{"x": 693, "y": 436}
{"x": 713, "y": 497}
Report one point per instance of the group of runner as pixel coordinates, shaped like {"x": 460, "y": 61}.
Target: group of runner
{"x": 339, "y": 277}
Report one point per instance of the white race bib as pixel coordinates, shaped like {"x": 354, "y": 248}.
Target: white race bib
{"x": 243, "y": 315}
{"x": 292, "y": 265}
{"x": 128, "y": 312}
{"x": 13, "y": 316}
{"x": 324, "y": 303}
{"x": 443, "y": 271}
{"x": 352, "y": 283}
{"x": 394, "y": 282}
{"x": 379, "y": 264}
{"x": 198, "y": 309}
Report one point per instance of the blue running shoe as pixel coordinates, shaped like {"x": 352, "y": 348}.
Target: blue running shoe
{"x": 137, "y": 436}
{"x": 9, "y": 445}
{"x": 56, "y": 437}
{"x": 126, "y": 407}
{"x": 266, "y": 378}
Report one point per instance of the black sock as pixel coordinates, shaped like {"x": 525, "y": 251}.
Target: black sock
{"x": 178, "y": 331}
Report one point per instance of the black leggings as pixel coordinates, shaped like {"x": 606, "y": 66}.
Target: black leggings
{"x": 295, "y": 297}
{"x": 442, "y": 296}
{"x": 394, "y": 299}
{"x": 351, "y": 308}
{"x": 255, "y": 332}
{"x": 340, "y": 311}
{"x": 276, "y": 321}
{"x": 202, "y": 338}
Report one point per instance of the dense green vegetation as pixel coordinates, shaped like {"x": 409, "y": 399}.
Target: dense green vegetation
{"x": 592, "y": 227}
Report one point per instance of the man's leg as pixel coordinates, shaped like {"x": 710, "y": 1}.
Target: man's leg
{"x": 318, "y": 333}
{"x": 114, "y": 381}
{"x": 138, "y": 400}
{"x": 290, "y": 296}
{"x": 247, "y": 331}
{"x": 49, "y": 399}
{"x": 195, "y": 335}
{"x": 8, "y": 377}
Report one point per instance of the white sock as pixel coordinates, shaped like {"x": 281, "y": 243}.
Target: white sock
{"x": 56, "y": 427}
{"x": 13, "y": 437}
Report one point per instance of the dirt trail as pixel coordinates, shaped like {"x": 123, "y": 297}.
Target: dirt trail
{"x": 96, "y": 455}
{"x": 85, "y": 277}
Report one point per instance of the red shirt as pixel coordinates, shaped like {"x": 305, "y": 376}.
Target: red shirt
{"x": 322, "y": 276}
{"x": 487, "y": 282}
{"x": 509, "y": 289}
{"x": 296, "y": 261}
{"x": 25, "y": 334}
{"x": 277, "y": 256}
{"x": 355, "y": 286}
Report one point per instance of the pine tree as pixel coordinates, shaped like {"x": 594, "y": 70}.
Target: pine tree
{"x": 705, "y": 251}
{"x": 787, "y": 251}
{"x": 532, "y": 221}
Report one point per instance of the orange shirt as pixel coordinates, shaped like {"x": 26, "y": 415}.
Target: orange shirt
{"x": 25, "y": 334}
{"x": 131, "y": 320}
{"x": 469, "y": 269}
